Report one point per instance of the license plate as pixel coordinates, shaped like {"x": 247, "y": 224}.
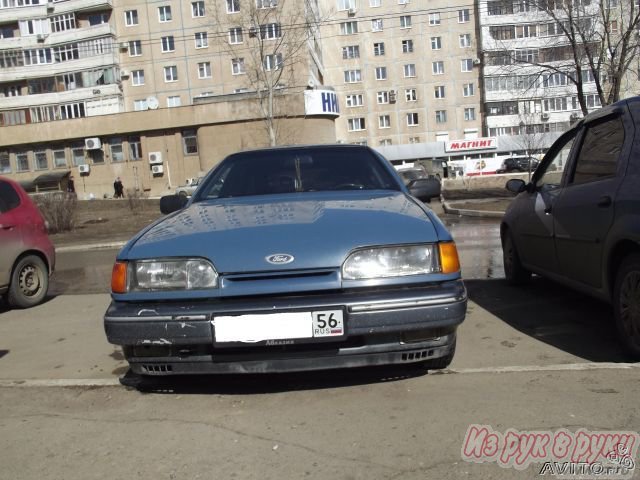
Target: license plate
{"x": 321, "y": 324}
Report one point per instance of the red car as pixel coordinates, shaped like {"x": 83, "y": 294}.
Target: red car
{"x": 28, "y": 256}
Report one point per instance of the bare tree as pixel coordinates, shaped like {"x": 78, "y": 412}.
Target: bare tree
{"x": 587, "y": 41}
{"x": 268, "y": 44}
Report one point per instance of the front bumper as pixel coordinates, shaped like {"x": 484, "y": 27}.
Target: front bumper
{"x": 390, "y": 326}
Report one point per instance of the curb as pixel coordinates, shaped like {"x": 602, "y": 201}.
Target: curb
{"x": 470, "y": 213}
{"x": 91, "y": 246}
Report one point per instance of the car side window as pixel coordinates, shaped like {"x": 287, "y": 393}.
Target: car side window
{"x": 9, "y": 198}
{"x": 598, "y": 156}
{"x": 551, "y": 176}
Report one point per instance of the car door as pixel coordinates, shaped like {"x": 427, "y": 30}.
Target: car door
{"x": 11, "y": 241}
{"x": 584, "y": 212}
{"x": 534, "y": 229}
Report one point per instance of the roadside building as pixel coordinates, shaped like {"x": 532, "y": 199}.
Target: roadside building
{"x": 405, "y": 72}
{"x": 154, "y": 93}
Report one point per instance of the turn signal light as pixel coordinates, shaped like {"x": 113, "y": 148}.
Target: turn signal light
{"x": 119, "y": 277}
{"x": 449, "y": 257}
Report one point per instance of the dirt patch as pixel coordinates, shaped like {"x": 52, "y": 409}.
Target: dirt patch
{"x": 112, "y": 220}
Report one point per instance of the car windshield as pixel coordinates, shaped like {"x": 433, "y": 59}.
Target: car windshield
{"x": 279, "y": 171}
{"x": 409, "y": 175}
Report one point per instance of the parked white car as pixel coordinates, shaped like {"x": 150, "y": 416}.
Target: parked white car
{"x": 188, "y": 189}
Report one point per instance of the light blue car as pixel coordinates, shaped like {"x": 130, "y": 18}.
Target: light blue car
{"x": 289, "y": 259}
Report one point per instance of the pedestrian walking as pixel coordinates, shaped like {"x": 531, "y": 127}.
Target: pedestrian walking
{"x": 118, "y": 189}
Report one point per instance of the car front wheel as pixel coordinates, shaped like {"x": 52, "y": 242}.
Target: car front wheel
{"x": 514, "y": 272}
{"x": 626, "y": 303}
{"x": 29, "y": 282}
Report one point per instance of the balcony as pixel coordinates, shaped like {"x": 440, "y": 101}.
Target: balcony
{"x": 79, "y": 34}
{"x": 51, "y": 69}
{"x": 13, "y": 14}
{"x": 55, "y": 98}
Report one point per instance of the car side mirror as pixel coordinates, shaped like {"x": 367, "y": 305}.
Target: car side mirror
{"x": 172, "y": 203}
{"x": 516, "y": 185}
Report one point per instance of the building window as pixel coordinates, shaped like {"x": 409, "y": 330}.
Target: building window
{"x": 385, "y": 142}
{"x": 466, "y": 65}
{"x": 351, "y": 51}
{"x": 139, "y": 105}
{"x": 384, "y": 121}
{"x": 410, "y": 70}
{"x": 381, "y": 73}
{"x": 436, "y": 43}
{"x": 135, "y": 48}
{"x": 201, "y": 39}
{"x": 137, "y": 77}
{"x": 378, "y": 49}
{"x": 441, "y": 116}
{"x": 434, "y": 19}
{"x": 22, "y": 162}
{"x": 468, "y": 90}
{"x": 61, "y": 23}
{"x": 197, "y": 9}
{"x": 382, "y": 97}
{"x": 131, "y": 18}
{"x": 233, "y": 6}
{"x": 352, "y": 76}
{"x": 407, "y": 46}
{"x": 437, "y": 68}
{"x": 469, "y": 114}
{"x": 412, "y": 119}
{"x": 77, "y": 154}
{"x": 376, "y": 25}
{"x": 59, "y": 158}
{"x": 346, "y": 5}
{"x": 190, "y": 142}
{"x": 375, "y": 3}
{"x": 355, "y": 100}
{"x": 439, "y": 91}
{"x": 463, "y": 15}
{"x": 117, "y": 153}
{"x": 237, "y": 66}
{"x": 272, "y": 62}
{"x": 410, "y": 95}
{"x": 414, "y": 139}
{"x": 164, "y": 13}
{"x": 266, "y": 4}
{"x": 5, "y": 163}
{"x": 171, "y": 74}
{"x": 355, "y": 124}
{"x": 270, "y": 31}
{"x": 168, "y": 44}
{"x": 465, "y": 40}
{"x": 204, "y": 70}
{"x": 348, "y": 28}
{"x": 72, "y": 110}
{"x": 235, "y": 35}
{"x": 98, "y": 19}
{"x": 41, "y": 160}
{"x": 174, "y": 101}
{"x": 405, "y": 21}
{"x": 135, "y": 148}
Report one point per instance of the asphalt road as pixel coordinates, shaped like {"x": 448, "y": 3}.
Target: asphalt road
{"x": 535, "y": 358}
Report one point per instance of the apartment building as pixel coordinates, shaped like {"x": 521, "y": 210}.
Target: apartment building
{"x": 153, "y": 92}
{"x": 406, "y": 72}
{"x": 527, "y": 68}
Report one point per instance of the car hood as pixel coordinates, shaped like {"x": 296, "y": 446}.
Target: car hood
{"x": 317, "y": 229}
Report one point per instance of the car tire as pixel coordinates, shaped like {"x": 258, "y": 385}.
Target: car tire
{"x": 29, "y": 282}
{"x": 442, "y": 362}
{"x": 514, "y": 272}
{"x": 626, "y": 303}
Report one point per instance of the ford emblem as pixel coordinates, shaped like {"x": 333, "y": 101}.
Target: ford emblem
{"x": 279, "y": 258}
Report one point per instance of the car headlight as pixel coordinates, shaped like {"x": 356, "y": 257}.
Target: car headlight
{"x": 383, "y": 262}
{"x": 163, "y": 274}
